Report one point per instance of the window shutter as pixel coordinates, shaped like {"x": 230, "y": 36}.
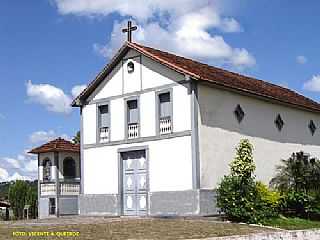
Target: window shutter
{"x": 133, "y": 111}
{"x": 165, "y": 104}
{"x": 104, "y": 116}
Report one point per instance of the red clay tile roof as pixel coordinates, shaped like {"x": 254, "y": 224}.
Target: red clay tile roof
{"x": 57, "y": 145}
{"x": 208, "y": 74}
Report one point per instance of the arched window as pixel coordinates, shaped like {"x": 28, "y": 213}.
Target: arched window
{"x": 47, "y": 169}
{"x": 69, "y": 168}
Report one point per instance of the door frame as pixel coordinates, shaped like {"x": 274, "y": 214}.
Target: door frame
{"x": 120, "y": 176}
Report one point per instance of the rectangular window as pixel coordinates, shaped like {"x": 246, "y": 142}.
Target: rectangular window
{"x": 104, "y": 123}
{"x": 132, "y": 118}
{"x": 165, "y": 113}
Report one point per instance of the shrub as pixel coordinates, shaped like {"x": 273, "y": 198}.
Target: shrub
{"x": 270, "y": 197}
{"x": 249, "y": 202}
{"x": 299, "y": 203}
{"x": 239, "y": 196}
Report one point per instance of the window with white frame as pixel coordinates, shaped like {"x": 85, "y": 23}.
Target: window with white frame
{"x": 132, "y": 119}
{"x": 165, "y": 113}
{"x": 104, "y": 123}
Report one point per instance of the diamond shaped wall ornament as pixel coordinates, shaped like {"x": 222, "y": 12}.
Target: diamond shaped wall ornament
{"x": 312, "y": 127}
{"x": 239, "y": 113}
{"x": 279, "y": 122}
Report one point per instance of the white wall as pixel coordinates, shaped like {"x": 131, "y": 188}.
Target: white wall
{"x": 89, "y": 124}
{"x": 170, "y": 166}
{"x": 220, "y": 133}
{"x": 150, "y": 74}
{"x": 117, "y": 119}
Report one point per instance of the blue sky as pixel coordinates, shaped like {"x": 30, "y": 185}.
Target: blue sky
{"x": 50, "y": 49}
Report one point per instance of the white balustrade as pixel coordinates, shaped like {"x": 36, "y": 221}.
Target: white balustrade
{"x": 69, "y": 188}
{"x": 47, "y": 189}
{"x": 104, "y": 135}
{"x": 165, "y": 125}
{"x": 133, "y": 130}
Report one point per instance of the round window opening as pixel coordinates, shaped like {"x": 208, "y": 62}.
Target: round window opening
{"x": 130, "y": 67}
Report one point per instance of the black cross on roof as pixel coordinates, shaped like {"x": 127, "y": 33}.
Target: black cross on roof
{"x": 129, "y": 30}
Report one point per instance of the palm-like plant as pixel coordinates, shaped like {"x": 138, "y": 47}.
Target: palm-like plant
{"x": 298, "y": 173}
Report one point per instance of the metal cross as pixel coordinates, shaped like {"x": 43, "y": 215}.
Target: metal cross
{"x": 129, "y": 30}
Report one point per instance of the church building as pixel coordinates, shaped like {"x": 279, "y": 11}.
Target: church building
{"x": 158, "y": 132}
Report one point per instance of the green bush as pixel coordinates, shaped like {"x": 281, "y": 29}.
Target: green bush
{"x": 271, "y": 197}
{"x": 299, "y": 203}
{"x": 249, "y": 202}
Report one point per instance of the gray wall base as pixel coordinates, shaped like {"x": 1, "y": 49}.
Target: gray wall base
{"x": 168, "y": 203}
{"x": 99, "y": 204}
{"x": 174, "y": 203}
{"x": 208, "y": 202}
{"x": 68, "y": 205}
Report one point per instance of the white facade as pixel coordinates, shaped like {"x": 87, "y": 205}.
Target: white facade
{"x": 220, "y": 133}
{"x": 169, "y": 157}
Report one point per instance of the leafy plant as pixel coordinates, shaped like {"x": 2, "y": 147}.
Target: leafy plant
{"x": 239, "y": 196}
{"x": 299, "y": 173}
{"x": 17, "y": 197}
{"x": 243, "y": 165}
{"x": 271, "y": 197}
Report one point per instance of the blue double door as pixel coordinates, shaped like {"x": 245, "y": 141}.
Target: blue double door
{"x": 135, "y": 183}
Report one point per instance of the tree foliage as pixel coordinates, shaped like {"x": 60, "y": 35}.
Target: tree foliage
{"x": 299, "y": 173}
{"x": 243, "y": 165}
{"x": 17, "y": 197}
{"x": 240, "y": 197}
{"x": 21, "y": 194}
{"x": 76, "y": 139}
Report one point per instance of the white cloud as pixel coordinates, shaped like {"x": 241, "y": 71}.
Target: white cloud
{"x": 17, "y": 176}
{"x": 76, "y": 90}
{"x": 31, "y": 166}
{"x": 13, "y": 162}
{"x": 313, "y": 84}
{"x": 185, "y": 27}
{"x": 4, "y": 175}
{"x": 301, "y": 59}
{"x": 53, "y": 98}
{"x": 41, "y": 137}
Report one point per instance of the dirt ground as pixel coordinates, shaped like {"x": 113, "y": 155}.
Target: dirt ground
{"x": 121, "y": 228}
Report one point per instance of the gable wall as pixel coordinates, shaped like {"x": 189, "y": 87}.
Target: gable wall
{"x": 220, "y": 133}
{"x": 148, "y": 78}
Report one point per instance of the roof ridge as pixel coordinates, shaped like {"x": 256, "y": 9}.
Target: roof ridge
{"x": 205, "y": 72}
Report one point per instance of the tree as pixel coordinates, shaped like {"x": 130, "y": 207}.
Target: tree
{"x": 299, "y": 173}
{"x": 243, "y": 165}
{"x": 17, "y": 197}
{"x": 76, "y": 139}
{"x": 32, "y": 200}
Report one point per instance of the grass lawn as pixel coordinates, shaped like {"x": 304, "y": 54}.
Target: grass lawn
{"x": 292, "y": 223}
{"x": 134, "y": 229}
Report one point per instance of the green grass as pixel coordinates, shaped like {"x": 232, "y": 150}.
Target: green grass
{"x": 292, "y": 223}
